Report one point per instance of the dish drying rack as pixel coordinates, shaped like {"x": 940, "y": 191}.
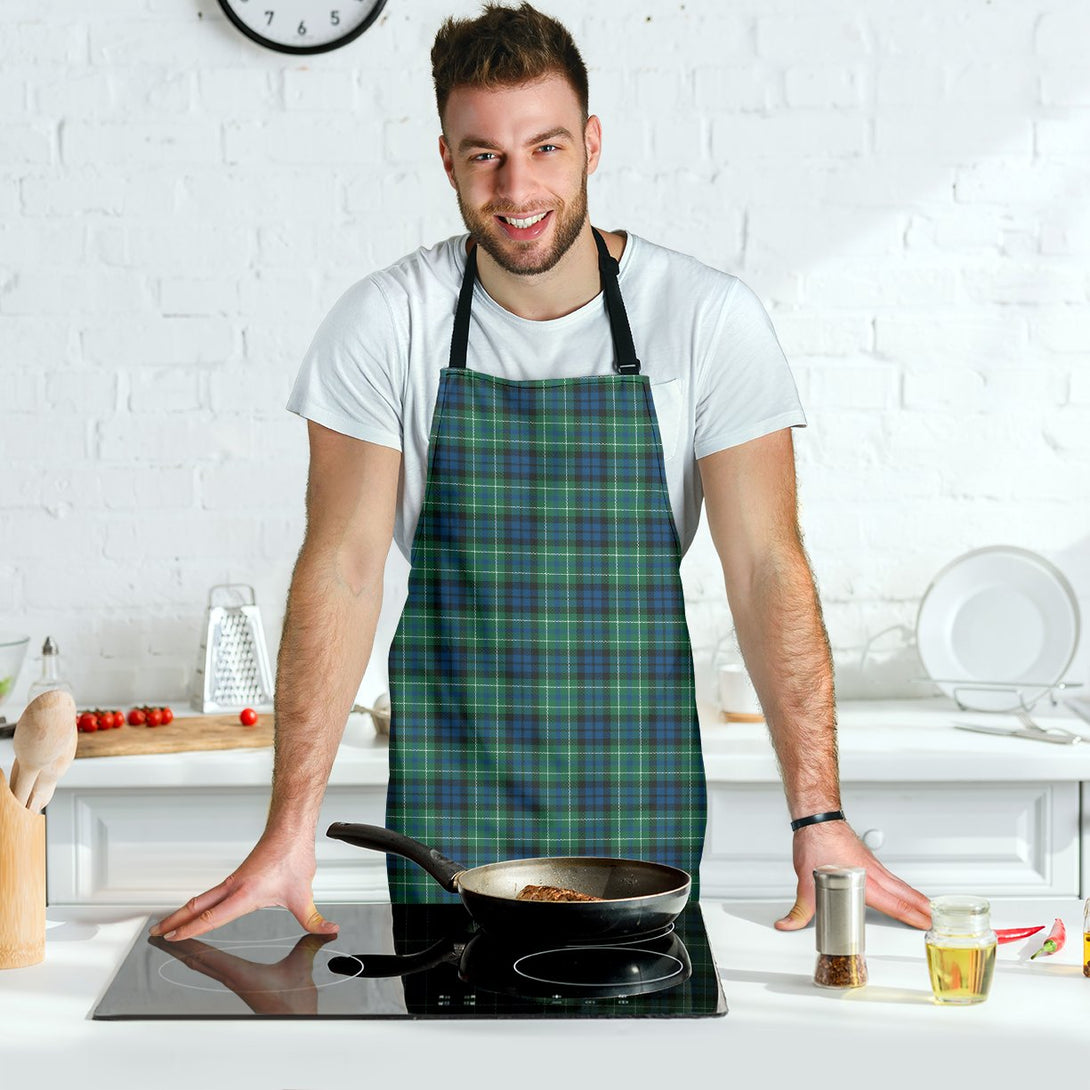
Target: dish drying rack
{"x": 1018, "y": 691}
{"x": 1023, "y": 694}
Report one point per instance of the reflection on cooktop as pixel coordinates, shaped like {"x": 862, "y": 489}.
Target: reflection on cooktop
{"x": 410, "y": 961}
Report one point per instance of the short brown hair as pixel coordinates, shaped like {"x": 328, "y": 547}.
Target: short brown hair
{"x": 504, "y": 47}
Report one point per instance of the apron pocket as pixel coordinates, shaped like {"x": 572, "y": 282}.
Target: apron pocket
{"x": 667, "y": 400}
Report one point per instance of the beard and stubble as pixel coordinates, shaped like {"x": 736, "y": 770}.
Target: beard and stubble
{"x": 518, "y": 257}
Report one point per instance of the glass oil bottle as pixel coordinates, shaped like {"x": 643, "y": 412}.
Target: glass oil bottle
{"x": 960, "y": 949}
{"x": 51, "y": 677}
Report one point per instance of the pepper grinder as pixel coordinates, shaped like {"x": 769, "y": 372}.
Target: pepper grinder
{"x": 51, "y": 672}
{"x": 840, "y": 904}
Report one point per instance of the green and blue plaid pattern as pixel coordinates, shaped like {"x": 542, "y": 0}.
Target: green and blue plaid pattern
{"x": 541, "y": 676}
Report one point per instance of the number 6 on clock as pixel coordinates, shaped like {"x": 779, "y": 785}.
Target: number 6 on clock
{"x": 302, "y": 26}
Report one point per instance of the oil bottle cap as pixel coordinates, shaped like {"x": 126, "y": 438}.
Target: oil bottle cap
{"x": 961, "y": 915}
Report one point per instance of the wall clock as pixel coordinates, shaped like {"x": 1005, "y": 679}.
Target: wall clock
{"x": 302, "y": 26}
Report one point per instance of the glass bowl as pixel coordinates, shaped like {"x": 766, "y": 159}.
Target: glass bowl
{"x": 12, "y": 652}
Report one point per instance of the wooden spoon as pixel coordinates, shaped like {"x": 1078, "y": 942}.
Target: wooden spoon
{"x": 45, "y": 743}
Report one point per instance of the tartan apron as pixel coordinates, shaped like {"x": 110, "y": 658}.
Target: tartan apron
{"x": 541, "y": 675}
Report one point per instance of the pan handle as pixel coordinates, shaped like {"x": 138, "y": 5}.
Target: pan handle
{"x": 380, "y": 839}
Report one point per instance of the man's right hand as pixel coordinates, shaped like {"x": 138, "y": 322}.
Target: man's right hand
{"x": 274, "y": 873}
{"x": 329, "y": 629}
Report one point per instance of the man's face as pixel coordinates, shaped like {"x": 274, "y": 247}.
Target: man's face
{"x": 518, "y": 158}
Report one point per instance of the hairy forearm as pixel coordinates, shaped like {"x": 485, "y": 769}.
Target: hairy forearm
{"x": 329, "y": 630}
{"x": 780, "y": 630}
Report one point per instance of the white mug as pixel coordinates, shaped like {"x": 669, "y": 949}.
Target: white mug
{"x": 738, "y": 701}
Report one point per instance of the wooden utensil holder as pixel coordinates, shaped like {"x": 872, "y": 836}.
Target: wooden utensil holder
{"x": 22, "y": 883}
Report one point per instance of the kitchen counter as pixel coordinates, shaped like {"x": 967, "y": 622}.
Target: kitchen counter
{"x": 945, "y": 809}
{"x": 917, "y": 733}
{"x": 780, "y": 1028}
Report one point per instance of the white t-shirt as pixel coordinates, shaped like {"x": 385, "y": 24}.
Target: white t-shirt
{"x": 717, "y": 372}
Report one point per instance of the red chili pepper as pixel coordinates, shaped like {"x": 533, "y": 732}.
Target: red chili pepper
{"x": 1013, "y": 934}
{"x": 1055, "y": 940}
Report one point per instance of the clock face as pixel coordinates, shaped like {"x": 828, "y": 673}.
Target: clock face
{"x": 302, "y": 26}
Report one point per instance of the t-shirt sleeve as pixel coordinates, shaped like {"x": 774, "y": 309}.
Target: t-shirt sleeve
{"x": 351, "y": 379}
{"x": 745, "y": 388}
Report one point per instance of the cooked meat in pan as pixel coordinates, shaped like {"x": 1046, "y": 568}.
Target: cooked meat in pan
{"x": 552, "y": 893}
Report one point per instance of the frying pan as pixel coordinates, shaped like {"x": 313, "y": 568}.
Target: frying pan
{"x": 637, "y": 896}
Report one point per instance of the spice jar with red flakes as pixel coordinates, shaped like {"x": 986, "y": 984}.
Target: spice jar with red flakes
{"x": 839, "y": 908}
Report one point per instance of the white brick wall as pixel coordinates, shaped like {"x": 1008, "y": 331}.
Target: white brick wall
{"x": 904, "y": 187}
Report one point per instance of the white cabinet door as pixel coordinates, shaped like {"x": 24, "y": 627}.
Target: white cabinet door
{"x": 995, "y": 839}
{"x": 160, "y": 847}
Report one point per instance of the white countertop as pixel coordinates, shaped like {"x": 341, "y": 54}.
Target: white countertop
{"x": 780, "y": 1028}
{"x": 880, "y": 741}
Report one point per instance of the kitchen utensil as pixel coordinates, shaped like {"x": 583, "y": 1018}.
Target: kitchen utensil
{"x": 997, "y": 628}
{"x": 1057, "y": 735}
{"x": 22, "y": 883}
{"x": 638, "y": 897}
{"x": 184, "y": 733}
{"x": 233, "y": 666}
{"x": 45, "y": 743}
{"x": 12, "y": 652}
{"x": 1027, "y": 722}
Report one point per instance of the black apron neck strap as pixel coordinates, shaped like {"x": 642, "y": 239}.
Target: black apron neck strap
{"x": 624, "y": 351}
{"x": 459, "y": 341}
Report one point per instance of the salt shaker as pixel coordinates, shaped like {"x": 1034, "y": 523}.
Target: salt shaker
{"x": 840, "y": 903}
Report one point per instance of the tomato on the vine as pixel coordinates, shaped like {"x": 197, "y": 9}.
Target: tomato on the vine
{"x": 146, "y": 716}
{"x": 247, "y": 717}
{"x": 87, "y": 722}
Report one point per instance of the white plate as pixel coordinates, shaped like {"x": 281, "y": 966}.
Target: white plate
{"x": 997, "y": 628}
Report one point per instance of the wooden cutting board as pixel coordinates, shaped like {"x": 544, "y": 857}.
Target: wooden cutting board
{"x": 186, "y": 732}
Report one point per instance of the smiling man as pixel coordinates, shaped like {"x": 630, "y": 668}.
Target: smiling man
{"x": 553, "y": 177}
{"x": 535, "y": 411}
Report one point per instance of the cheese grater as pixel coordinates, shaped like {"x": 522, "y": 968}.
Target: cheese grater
{"x": 233, "y": 666}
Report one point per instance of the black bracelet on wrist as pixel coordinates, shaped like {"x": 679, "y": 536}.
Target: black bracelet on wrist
{"x": 816, "y": 819}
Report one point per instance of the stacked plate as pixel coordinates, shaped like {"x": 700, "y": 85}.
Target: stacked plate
{"x": 997, "y": 628}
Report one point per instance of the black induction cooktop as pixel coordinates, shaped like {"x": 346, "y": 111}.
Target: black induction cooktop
{"x": 411, "y": 961}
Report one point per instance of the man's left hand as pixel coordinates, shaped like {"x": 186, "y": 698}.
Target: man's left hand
{"x": 834, "y": 842}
